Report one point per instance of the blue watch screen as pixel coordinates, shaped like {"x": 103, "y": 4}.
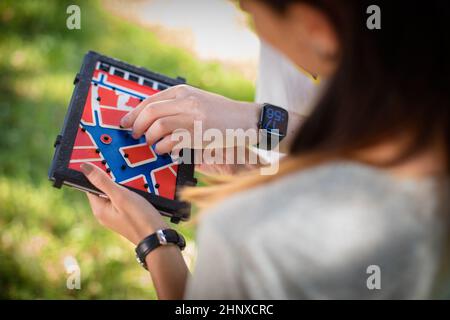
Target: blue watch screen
{"x": 274, "y": 119}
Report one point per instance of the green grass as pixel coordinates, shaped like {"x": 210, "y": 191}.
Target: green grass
{"x": 40, "y": 225}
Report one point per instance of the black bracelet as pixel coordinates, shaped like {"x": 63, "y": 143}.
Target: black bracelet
{"x": 153, "y": 241}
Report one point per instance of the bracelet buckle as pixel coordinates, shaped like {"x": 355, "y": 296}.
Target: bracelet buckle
{"x": 161, "y": 237}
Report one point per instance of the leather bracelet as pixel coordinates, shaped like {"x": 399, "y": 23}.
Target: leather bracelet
{"x": 161, "y": 237}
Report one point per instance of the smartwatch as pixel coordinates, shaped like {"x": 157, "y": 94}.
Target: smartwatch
{"x": 161, "y": 237}
{"x": 272, "y": 126}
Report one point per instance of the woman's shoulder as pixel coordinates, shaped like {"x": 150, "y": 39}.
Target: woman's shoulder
{"x": 326, "y": 192}
{"x": 340, "y": 215}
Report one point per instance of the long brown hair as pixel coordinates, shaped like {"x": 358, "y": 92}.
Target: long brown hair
{"x": 389, "y": 81}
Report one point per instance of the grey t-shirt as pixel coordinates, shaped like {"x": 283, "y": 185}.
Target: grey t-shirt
{"x": 332, "y": 231}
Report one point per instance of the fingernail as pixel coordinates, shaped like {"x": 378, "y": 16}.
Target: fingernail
{"x": 86, "y": 168}
{"x": 124, "y": 121}
{"x": 157, "y": 151}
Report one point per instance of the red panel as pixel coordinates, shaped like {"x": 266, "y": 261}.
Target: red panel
{"x": 97, "y": 73}
{"x": 76, "y": 166}
{"x": 138, "y": 154}
{"x": 85, "y": 153}
{"x": 83, "y": 139}
{"x": 115, "y": 80}
{"x": 136, "y": 183}
{"x": 108, "y": 97}
{"x": 111, "y": 117}
{"x": 167, "y": 181}
{"x": 133, "y": 102}
{"x": 88, "y": 114}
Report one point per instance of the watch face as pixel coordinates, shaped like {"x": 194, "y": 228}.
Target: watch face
{"x": 275, "y": 118}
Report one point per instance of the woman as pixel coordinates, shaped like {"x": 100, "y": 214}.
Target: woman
{"x": 365, "y": 186}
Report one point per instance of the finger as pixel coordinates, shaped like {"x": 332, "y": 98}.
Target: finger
{"x": 100, "y": 180}
{"x": 153, "y": 112}
{"x": 97, "y": 203}
{"x": 168, "y": 94}
{"x": 165, "y": 126}
{"x": 99, "y": 208}
{"x": 165, "y": 145}
{"x": 128, "y": 120}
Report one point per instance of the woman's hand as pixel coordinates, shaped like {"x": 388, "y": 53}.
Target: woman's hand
{"x": 133, "y": 217}
{"x": 124, "y": 212}
{"x": 241, "y": 164}
{"x": 178, "y": 107}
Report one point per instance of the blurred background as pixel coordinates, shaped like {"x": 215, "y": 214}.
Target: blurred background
{"x": 44, "y": 231}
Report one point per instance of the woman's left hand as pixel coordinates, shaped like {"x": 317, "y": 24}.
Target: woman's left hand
{"x": 124, "y": 211}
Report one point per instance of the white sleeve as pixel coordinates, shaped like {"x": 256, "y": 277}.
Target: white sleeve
{"x": 283, "y": 84}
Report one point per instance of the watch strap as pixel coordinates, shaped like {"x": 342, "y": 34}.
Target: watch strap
{"x": 159, "y": 238}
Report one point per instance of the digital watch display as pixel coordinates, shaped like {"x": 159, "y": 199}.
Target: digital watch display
{"x": 273, "y": 126}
